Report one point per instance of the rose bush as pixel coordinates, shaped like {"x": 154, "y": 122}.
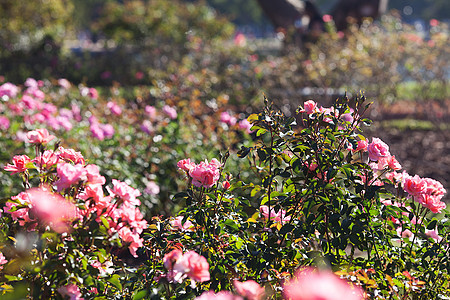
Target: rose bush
{"x": 309, "y": 191}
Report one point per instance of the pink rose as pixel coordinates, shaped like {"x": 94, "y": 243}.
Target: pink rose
{"x": 47, "y": 159}
{"x": 309, "y": 107}
{"x": 415, "y": 185}
{"x": 125, "y": 192}
{"x": 205, "y": 174}
{"x": 193, "y": 265}
{"x": 71, "y": 156}
{"x": 19, "y": 164}
{"x": 362, "y": 146}
{"x": 134, "y": 239}
{"x": 2, "y": 260}
{"x": 176, "y": 224}
{"x": 377, "y": 149}
{"x": 311, "y": 284}
{"x": 40, "y": 136}
{"x": 69, "y": 175}
{"x": 8, "y": 89}
{"x": 186, "y": 164}
{"x": 245, "y": 125}
{"x": 72, "y": 291}
{"x": 152, "y": 188}
{"x": 280, "y": 216}
{"x": 171, "y": 258}
{"x": 431, "y": 202}
{"x": 393, "y": 163}
{"x": 249, "y": 289}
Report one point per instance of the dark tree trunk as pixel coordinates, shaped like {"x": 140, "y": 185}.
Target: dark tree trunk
{"x": 347, "y": 11}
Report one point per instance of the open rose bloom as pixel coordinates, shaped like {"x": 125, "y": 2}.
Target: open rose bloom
{"x": 189, "y": 264}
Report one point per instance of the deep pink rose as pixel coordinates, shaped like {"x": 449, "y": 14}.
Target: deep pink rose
{"x": 415, "y": 185}
{"x": 205, "y": 174}
{"x": 377, "y": 149}
{"x": 3, "y": 260}
{"x": 69, "y": 175}
{"x": 19, "y": 164}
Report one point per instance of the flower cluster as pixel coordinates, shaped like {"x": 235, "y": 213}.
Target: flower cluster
{"x": 189, "y": 264}
{"x": 205, "y": 174}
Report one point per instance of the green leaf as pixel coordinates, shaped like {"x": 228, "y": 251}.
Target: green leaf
{"x": 115, "y": 281}
{"x": 139, "y": 294}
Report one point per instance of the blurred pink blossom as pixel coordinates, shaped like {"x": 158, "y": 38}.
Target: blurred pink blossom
{"x": 64, "y": 83}
{"x": 71, "y": 290}
{"x": 152, "y": 188}
{"x": 52, "y": 209}
{"x": 114, "y": 108}
{"x": 176, "y": 223}
{"x": 311, "y": 284}
{"x": 228, "y": 119}
{"x": 249, "y": 289}
{"x": 245, "y": 125}
{"x": 170, "y": 111}
{"x": 8, "y": 89}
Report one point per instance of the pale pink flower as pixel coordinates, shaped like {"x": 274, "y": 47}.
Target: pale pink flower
{"x": 362, "y": 146}
{"x": 279, "y": 216}
{"x": 377, "y": 149}
{"x": 125, "y": 192}
{"x": 240, "y": 40}
{"x": 92, "y": 93}
{"x": 93, "y": 175}
{"x": 186, "y": 164}
{"x": 204, "y": 174}
{"x": 171, "y": 258}
{"x": 71, "y": 155}
{"x": 434, "y": 234}
{"x": 114, "y": 108}
{"x": 3, "y": 260}
{"x": 327, "y": 18}
{"x": 39, "y": 136}
{"x": 147, "y": 127}
{"x": 222, "y": 295}
{"x": 245, "y": 125}
{"x": 309, "y": 107}
{"x": 171, "y": 112}
{"x": 134, "y": 239}
{"x": 405, "y": 233}
{"x": 151, "y": 111}
{"x": 249, "y": 289}
{"x": 393, "y": 163}
{"x": 69, "y": 175}
{"x": 47, "y": 159}
{"x": 228, "y": 119}
{"x": 71, "y": 290}
{"x": 193, "y": 265}
{"x": 52, "y": 209}
{"x": 311, "y": 284}
{"x": 19, "y": 214}
{"x": 64, "y": 83}
{"x": 8, "y": 89}
{"x": 152, "y": 188}
{"x": 4, "y": 123}
{"x": 19, "y": 164}
{"x": 176, "y": 223}
{"x": 31, "y": 83}
{"x": 434, "y": 187}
